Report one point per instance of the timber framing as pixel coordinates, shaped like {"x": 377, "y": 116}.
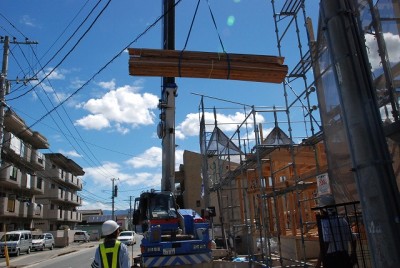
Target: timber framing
{"x": 212, "y": 65}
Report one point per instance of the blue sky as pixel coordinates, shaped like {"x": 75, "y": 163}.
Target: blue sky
{"x": 108, "y": 123}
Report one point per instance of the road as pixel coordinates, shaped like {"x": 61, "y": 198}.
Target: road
{"x": 76, "y": 255}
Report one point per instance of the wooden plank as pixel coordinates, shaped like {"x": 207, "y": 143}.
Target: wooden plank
{"x": 172, "y": 63}
{"x": 192, "y": 55}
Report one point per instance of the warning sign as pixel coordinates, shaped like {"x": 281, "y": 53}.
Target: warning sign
{"x": 323, "y": 184}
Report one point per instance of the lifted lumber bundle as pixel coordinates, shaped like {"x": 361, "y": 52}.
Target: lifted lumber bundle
{"x": 173, "y": 63}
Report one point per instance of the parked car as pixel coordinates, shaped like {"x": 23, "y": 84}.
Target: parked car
{"x": 81, "y": 236}
{"x": 127, "y": 237}
{"x": 17, "y": 242}
{"x": 42, "y": 241}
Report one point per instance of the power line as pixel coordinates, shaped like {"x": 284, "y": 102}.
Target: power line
{"x": 102, "y": 68}
{"x": 68, "y": 53}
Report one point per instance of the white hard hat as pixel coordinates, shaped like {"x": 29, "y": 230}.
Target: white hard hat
{"x": 109, "y": 227}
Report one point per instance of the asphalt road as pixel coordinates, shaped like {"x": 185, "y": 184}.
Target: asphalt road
{"x": 76, "y": 255}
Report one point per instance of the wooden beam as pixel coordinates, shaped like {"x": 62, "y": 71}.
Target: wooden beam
{"x": 173, "y": 63}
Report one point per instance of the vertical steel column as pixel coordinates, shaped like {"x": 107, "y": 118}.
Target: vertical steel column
{"x": 167, "y": 104}
{"x": 372, "y": 165}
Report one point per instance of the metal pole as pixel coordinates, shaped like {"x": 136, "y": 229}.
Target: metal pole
{"x": 167, "y": 104}
{"x": 372, "y": 165}
{"x": 112, "y": 199}
{"x": 3, "y": 86}
{"x": 130, "y": 213}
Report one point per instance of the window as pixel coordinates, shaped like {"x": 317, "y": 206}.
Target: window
{"x": 39, "y": 183}
{"x": 22, "y": 149}
{"x": 13, "y": 173}
{"x": 28, "y": 181}
{"x": 11, "y": 205}
{"x": 38, "y": 209}
{"x": 40, "y": 157}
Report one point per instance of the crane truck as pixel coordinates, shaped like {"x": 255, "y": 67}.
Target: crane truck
{"x": 171, "y": 236}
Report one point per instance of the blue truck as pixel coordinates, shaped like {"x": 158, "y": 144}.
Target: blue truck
{"x": 171, "y": 236}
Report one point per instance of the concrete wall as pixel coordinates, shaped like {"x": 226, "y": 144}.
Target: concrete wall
{"x": 292, "y": 248}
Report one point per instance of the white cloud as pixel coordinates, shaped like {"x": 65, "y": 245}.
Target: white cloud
{"x": 178, "y": 158}
{"x": 102, "y": 176}
{"x": 227, "y": 123}
{"x": 152, "y": 158}
{"x": 91, "y": 121}
{"x": 392, "y": 45}
{"x": 76, "y": 83}
{"x": 27, "y": 20}
{"x": 86, "y": 205}
{"x": 70, "y": 153}
{"x": 55, "y": 74}
{"x": 120, "y": 107}
{"x": 145, "y": 180}
{"x": 110, "y": 85}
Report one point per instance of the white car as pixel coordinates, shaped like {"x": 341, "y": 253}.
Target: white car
{"x": 42, "y": 241}
{"x": 127, "y": 237}
{"x": 81, "y": 236}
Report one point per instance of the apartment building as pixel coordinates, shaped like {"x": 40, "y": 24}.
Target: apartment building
{"x": 19, "y": 183}
{"x": 60, "y": 199}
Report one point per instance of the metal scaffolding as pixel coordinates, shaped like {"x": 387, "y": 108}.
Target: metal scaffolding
{"x": 267, "y": 187}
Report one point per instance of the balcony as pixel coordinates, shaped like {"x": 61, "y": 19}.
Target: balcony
{"x": 54, "y": 194}
{"x": 77, "y": 200}
{"x": 37, "y": 184}
{"x": 16, "y": 150}
{"x": 26, "y": 181}
{"x": 73, "y": 182}
{"x": 73, "y": 198}
{"x": 56, "y": 173}
{"x": 23, "y": 209}
{"x": 73, "y": 216}
{"x": 38, "y": 160}
{"x": 53, "y": 214}
{"x": 10, "y": 176}
{"x": 35, "y": 211}
{"x": 9, "y": 207}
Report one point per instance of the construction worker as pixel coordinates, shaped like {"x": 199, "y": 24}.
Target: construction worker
{"x": 112, "y": 253}
{"x": 336, "y": 236}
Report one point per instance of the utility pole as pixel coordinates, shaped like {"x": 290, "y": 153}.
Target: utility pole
{"x": 114, "y": 193}
{"x": 130, "y": 213}
{"x": 3, "y": 87}
{"x": 4, "y": 83}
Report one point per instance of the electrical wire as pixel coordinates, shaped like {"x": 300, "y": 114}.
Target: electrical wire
{"x": 103, "y": 67}
{"x": 42, "y": 68}
{"x": 68, "y": 53}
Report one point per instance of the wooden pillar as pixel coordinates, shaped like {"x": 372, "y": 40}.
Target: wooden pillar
{"x": 280, "y": 216}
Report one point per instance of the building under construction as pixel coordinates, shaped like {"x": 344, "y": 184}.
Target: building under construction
{"x": 336, "y": 135}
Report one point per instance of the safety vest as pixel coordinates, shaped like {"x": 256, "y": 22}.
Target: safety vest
{"x": 114, "y": 253}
